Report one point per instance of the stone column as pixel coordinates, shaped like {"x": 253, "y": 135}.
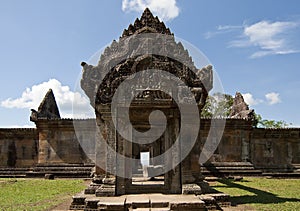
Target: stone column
{"x": 43, "y": 152}
{"x": 105, "y": 160}
{"x": 245, "y": 150}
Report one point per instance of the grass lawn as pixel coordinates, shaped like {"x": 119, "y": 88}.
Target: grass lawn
{"x": 263, "y": 193}
{"x": 257, "y": 193}
{"x": 36, "y": 194}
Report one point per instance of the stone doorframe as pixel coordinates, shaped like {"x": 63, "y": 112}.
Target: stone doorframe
{"x": 172, "y": 178}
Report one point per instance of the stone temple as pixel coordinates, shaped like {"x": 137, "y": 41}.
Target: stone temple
{"x": 147, "y": 98}
{"x": 110, "y": 150}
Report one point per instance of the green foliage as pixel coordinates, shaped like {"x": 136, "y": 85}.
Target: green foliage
{"x": 217, "y": 105}
{"x": 264, "y": 123}
{"x": 36, "y": 194}
{"x": 262, "y": 193}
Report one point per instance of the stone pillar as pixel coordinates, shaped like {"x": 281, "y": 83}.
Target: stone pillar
{"x": 174, "y": 175}
{"x": 124, "y": 149}
{"x": 43, "y": 152}
{"x": 105, "y": 159}
{"x": 245, "y": 150}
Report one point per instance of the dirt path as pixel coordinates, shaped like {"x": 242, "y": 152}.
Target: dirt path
{"x": 65, "y": 205}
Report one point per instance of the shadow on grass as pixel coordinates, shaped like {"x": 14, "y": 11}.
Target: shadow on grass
{"x": 262, "y": 197}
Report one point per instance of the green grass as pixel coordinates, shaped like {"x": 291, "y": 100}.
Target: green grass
{"x": 36, "y": 194}
{"x": 259, "y": 193}
{"x": 263, "y": 193}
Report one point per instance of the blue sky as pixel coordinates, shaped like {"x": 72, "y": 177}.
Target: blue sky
{"x": 253, "y": 45}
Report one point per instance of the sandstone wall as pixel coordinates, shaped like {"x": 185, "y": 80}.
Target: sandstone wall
{"x": 59, "y": 143}
{"x": 275, "y": 149}
{"x": 234, "y": 144}
{"x": 55, "y": 141}
{"x": 18, "y": 147}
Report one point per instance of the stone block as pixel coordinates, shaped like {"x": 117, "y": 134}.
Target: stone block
{"x": 187, "y": 203}
{"x": 49, "y": 176}
{"x": 106, "y": 190}
{"x": 191, "y": 189}
{"x": 78, "y": 202}
{"x": 138, "y": 201}
{"x": 112, "y": 203}
{"x": 91, "y": 203}
{"x": 153, "y": 171}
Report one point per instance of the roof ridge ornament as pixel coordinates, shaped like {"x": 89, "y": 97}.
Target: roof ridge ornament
{"x": 146, "y": 24}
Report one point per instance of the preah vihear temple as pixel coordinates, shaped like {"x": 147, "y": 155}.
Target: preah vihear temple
{"x": 146, "y": 137}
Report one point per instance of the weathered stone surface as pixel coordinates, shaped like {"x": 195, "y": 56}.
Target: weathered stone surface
{"x": 240, "y": 109}
{"x": 187, "y": 202}
{"x": 91, "y": 203}
{"x": 112, "y": 203}
{"x": 222, "y": 199}
{"x": 138, "y": 201}
{"x": 147, "y": 23}
{"x": 122, "y": 60}
{"x": 18, "y": 147}
{"x": 191, "y": 189}
{"x": 48, "y": 108}
{"x": 91, "y": 189}
{"x": 106, "y": 190}
{"x": 153, "y": 171}
{"x": 131, "y": 51}
{"x": 78, "y": 202}
{"x": 49, "y": 176}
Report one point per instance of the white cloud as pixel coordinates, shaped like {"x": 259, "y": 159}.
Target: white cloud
{"x": 18, "y": 126}
{"x": 65, "y": 98}
{"x": 249, "y": 99}
{"x": 269, "y": 37}
{"x": 266, "y": 37}
{"x": 228, "y": 27}
{"x": 221, "y": 29}
{"x": 273, "y": 98}
{"x": 165, "y": 9}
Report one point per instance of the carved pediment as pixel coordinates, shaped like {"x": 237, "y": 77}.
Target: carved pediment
{"x": 146, "y": 45}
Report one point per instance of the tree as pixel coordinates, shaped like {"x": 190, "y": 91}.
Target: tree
{"x": 264, "y": 123}
{"x": 217, "y": 105}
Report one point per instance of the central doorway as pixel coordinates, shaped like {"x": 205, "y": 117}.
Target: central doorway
{"x": 146, "y": 173}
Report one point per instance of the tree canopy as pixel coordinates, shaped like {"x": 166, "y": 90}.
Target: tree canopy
{"x": 219, "y": 105}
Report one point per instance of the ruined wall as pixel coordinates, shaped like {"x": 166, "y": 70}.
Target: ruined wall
{"x": 266, "y": 149}
{"x": 234, "y": 144}
{"x": 58, "y": 142}
{"x": 275, "y": 149}
{"x": 55, "y": 141}
{"x": 18, "y": 147}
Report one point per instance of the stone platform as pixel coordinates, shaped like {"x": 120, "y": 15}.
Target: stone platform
{"x": 153, "y": 202}
{"x": 61, "y": 170}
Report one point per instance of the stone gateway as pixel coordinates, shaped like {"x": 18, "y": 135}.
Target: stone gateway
{"x": 147, "y": 136}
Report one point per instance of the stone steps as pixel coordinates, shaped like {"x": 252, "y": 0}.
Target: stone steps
{"x": 60, "y": 174}
{"x": 152, "y": 209}
{"x": 62, "y": 170}
{"x": 296, "y": 167}
{"x": 13, "y": 172}
{"x": 58, "y": 170}
{"x": 222, "y": 169}
{"x": 282, "y": 174}
{"x": 153, "y": 202}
